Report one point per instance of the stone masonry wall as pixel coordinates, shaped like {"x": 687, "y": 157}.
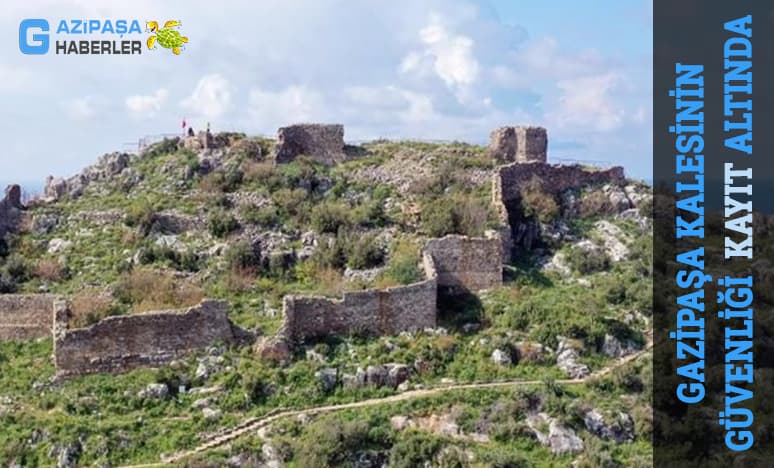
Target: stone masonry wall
{"x": 323, "y": 143}
{"x": 519, "y": 144}
{"x": 509, "y": 180}
{"x": 117, "y": 344}
{"x": 467, "y": 264}
{"x": 373, "y": 312}
{"x": 23, "y": 317}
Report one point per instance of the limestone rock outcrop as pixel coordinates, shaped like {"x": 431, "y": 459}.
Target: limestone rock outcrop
{"x": 11, "y": 209}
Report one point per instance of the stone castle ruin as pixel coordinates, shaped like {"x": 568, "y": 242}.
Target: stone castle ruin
{"x": 371, "y": 312}
{"x": 24, "y": 317}
{"x": 323, "y": 143}
{"x": 519, "y": 230}
{"x": 117, "y": 344}
{"x": 519, "y": 144}
{"x": 467, "y": 264}
{"x": 452, "y": 265}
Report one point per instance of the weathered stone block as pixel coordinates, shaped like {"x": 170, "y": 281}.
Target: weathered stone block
{"x": 24, "y": 317}
{"x": 372, "y": 312}
{"x": 511, "y": 179}
{"x": 467, "y": 264}
{"x": 323, "y": 143}
{"x": 519, "y": 144}
{"x": 117, "y": 344}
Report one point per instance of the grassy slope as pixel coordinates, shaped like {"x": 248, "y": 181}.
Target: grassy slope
{"x": 114, "y": 425}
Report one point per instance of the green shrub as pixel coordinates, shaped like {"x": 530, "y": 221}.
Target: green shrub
{"x": 164, "y": 147}
{"x": 473, "y": 216}
{"x": 189, "y": 159}
{"x": 460, "y": 214}
{"x": 371, "y": 214}
{"x": 365, "y": 252}
{"x": 302, "y": 169}
{"x": 328, "y": 217}
{"x": 243, "y": 256}
{"x": 181, "y": 261}
{"x": 141, "y": 214}
{"x": 222, "y": 224}
{"x": 439, "y": 217}
{"x": 7, "y": 284}
{"x": 332, "y": 442}
{"x": 537, "y": 202}
{"x": 17, "y": 269}
{"x": 414, "y": 449}
{"x": 438, "y": 184}
{"x": 290, "y": 201}
{"x": 382, "y": 192}
{"x": 152, "y": 290}
{"x": 219, "y": 200}
{"x": 595, "y": 204}
{"x": 266, "y": 216}
{"x": 404, "y": 264}
{"x": 331, "y": 253}
{"x": 499, "y": 458}
{"x": 586, "y": 261}
{"x": 226, "y": 180}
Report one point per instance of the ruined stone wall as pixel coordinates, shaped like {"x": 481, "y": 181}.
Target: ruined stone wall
{"x": 553, "y": 179}
{"x": 323, "y": 143}
{"x": 23, "y": 317}
{"x": 117, "y": 344}
{"x": 510, "y": 179}
{"x": 467, "y": 264}
{"x": 519, "y": 144}
{"x": 371, "y": 312}
{"x": 11, "y": 209}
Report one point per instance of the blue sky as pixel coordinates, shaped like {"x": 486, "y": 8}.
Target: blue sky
{"x": 433, "y": 69}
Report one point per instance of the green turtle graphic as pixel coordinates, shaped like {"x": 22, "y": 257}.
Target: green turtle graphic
{"x": 167, "y": 37}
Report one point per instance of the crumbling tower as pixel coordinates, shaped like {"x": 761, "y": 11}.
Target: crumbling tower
{"x": 519, "y": 144}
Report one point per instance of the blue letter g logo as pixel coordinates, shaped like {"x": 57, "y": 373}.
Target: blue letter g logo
{"x": 39, "y": 43}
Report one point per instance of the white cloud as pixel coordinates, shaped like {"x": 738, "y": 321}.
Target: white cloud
{"x": 294, "y": 104}
{"x": 544, "y": 56}
{"x": 17, "y": 79}
{"x": 447, "y": 69}
{"x": 211, "y": 97}
{"x": 82, "y": 108}
{"x": 450, "y": 55}
{"x": 148, "y": 105}
{"x": 390, "y": 103}
{"x": 586, "y": 103}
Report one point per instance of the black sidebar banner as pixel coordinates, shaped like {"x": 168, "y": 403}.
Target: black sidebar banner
{"x": 713, "y": 161}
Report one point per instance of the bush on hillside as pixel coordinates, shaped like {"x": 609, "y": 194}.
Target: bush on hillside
{"x": 222, "y": 224}
{"x": 537, "y": 202}
{"x": 329, "y": 217}
{"x": 365, "y": 252}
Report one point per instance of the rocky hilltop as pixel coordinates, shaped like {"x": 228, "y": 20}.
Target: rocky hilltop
{"x": 255, "y": 273}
